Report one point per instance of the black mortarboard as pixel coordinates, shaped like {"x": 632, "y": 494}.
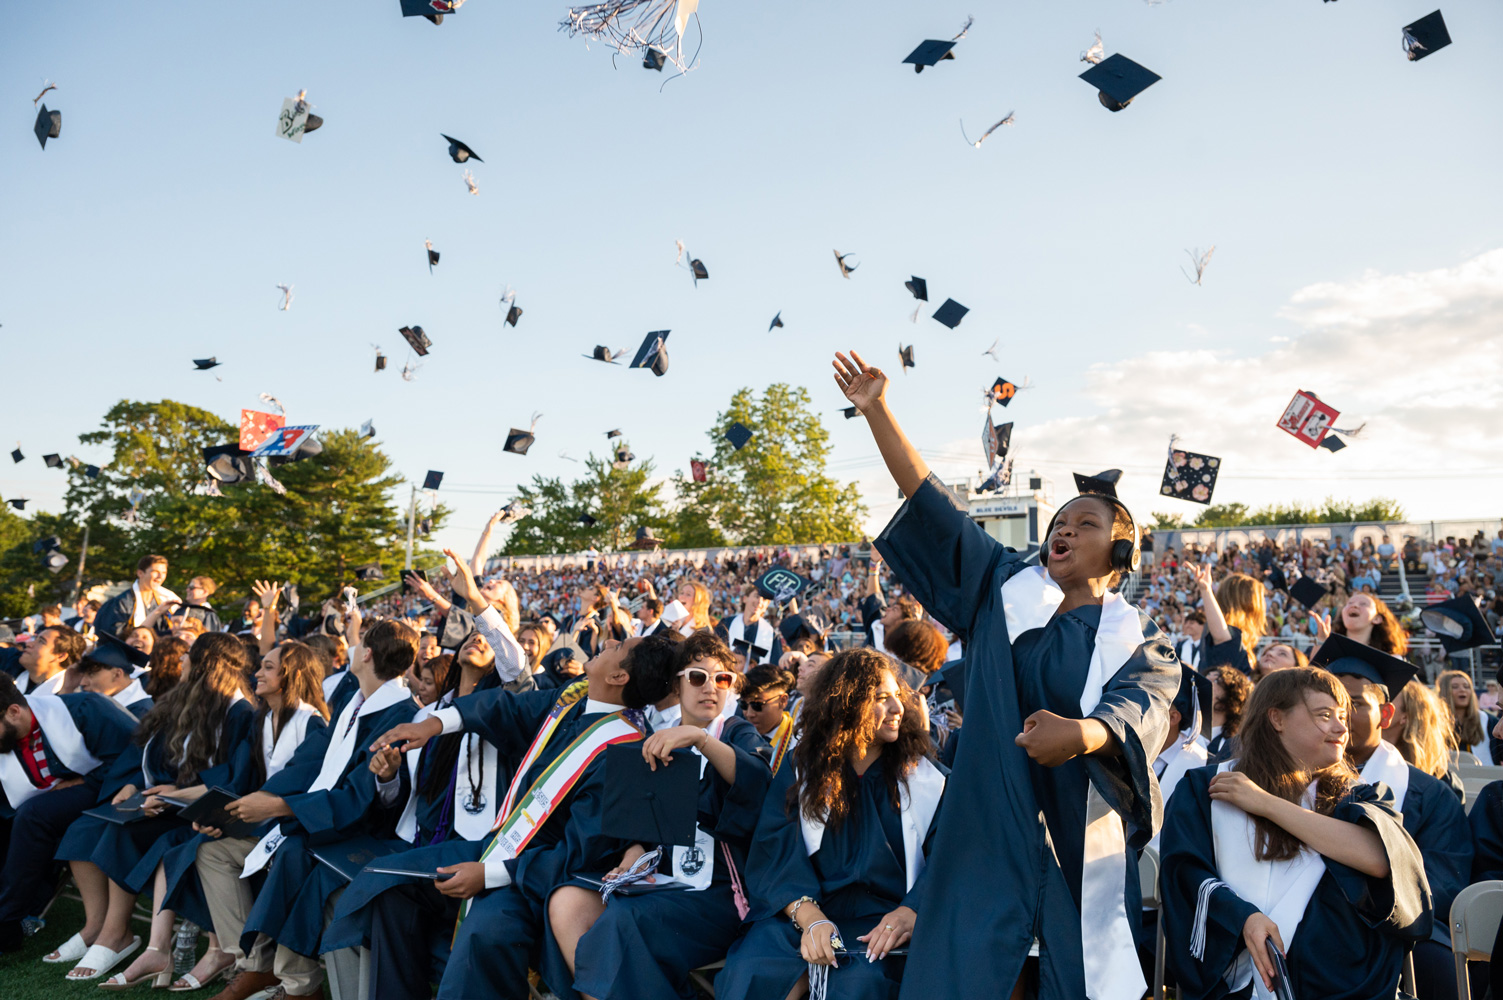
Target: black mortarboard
{"x": 1193, "y": 700}
{"x": 587, "y": 520}
{"x": 204, "y": 364}
{"x": 1119, "y": 80}
{"x": 1003, "y": 391}
{"x": 513, "y": 314}
{"x": 738, "y": 434}
{"x": 845, "y": 269}
{"x": 18, "y": 502}
{"x": 228, "y": 463}
{"x": 951, "y": 313}
{"x": 612, "y": 434}
{"x": 603, "y": 353}
{"x": 851, "y": 413}
{"x": 795, "y": 627}
{"x": 1458, "y": 624}
{"x": 1307, "y": 591}
{"x": 458, "y": 624}
{"x": 697, "y": 266}
{"x": 46, "y": 544}
{"x": 433, "y": 10}
{"x": 370, "y": 571}
{"x": 16, "y": 455}
{"x": 416, "y": 339}
{"x": 1422, "y": 38}
{"x": 50, "y": 124}
{"x": 92, "y": 471}
{"x": 776, "y": 321}
{"x": 650, "y": 806}
{"x": 624, "y": 457}
{"x": 1004, "y": 439}
{"x": 54, "y": 561}
{"x": 653, "y": 353}
{"x": 113, "y": 652}
{"x": 1331, "y": 443}
{"x": 1102, "y": 484}
{"x": 518, "y": 441}
{"x": 654, "y": 58}
{"x": 433, "y": 480}
{"x": 459, "y": 152}
{"x": 1342, "y": 654}
{"x": 433, "y": 256}
{"x": 380, "y": 362}
{"x": 919, "y": 287}
{"x": 928, "y": 53}
{"x": 905, "y": 356}
{"x": 1190, "y": 476}
{"x": 53, "y": 461}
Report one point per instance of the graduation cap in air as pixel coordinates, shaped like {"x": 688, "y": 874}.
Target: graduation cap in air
{"x": 776, "y": 321}
{"x": 1190, "y": 476}
{"x": 929, "y": 53}
{"x": 1458, "y": 624}
{"x": 587, "y": 520}
{"x": 49, "y": 125}
{"x": 370, "y": 571}
{"x": 1003, "y": 391}
{"x": 650, "y": 806}
{"x": 697, "y": 267}
{"x": 18, "y": 502}
{"x": 433, "y": 480}
{"x": 113, "y": 652}
{"x": 624, "y": 458}
{"x": 380, "y": 361}
{"x": 433, "y": 10}
{"x": 513, "y": 313}
{"x": 697, "y": 470}
{"x": 951, "y": 313}
{"x": 738, "y": 434}
{"x": 1118, "y": 80}
{"x": 433, "y": 255}
{"x": 92, "y": 471}
{"x": 368, "y": 429}
{"x": 905, "y": 355}
{"x": 653, "y": 353}
{"x": 1342, "y": 654}
{"x": 416, "y": 339}
{"x": 851, "y": 413}
{"x": 612, "y": 434}
{"x": 1193, "y": 701}
{"x": 1101, "y": 484}
{"x": 1331, "y": 443}
{"x": 459, "y": 152}
{"x": 845, "y": 269}
{"x": 514, "y": 511}
{"x": 654, "y": 58}
{"x": 919, "y": 287}
{"x": 1307, "y": 591}
{"x": 603, "y": 353}
{"x": 16, "y": 455}
{"x": 48, "y": 544}
{"x": 229, "y": 463}
{"x": 1424, "y": 37}
{"x": 204, "y": 364}
{"x": 53, "y": 461}
{"x": 518, "y": 441}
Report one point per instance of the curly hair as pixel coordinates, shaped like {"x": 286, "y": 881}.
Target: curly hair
{"x": 1388, "y": 635}
{"x": 650, "y": 662}
{"x": 189, "y": 717}
{"x": 837, "y": 727}
{"x": 654, "y": 678}
{"x": 1263, "y": 758}
{"x": 918, "y": 644}
{"x": 166, "y": 666}
{"x": 1235, "y": 690}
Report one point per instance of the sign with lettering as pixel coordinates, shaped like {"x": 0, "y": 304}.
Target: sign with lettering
{"x": 292, "y": 120}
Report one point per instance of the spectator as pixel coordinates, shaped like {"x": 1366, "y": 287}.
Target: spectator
{"x": 1470, "y": 726}
{"x": 1387, "y": 562}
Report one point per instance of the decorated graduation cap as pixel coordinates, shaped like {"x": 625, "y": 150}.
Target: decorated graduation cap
{"x": 416, "y": 339}
{"x": 653, "y": 353}
{"x": 1342, "y": 654}
{"x": 49, "y": 125}
{"x": 1118, "y": 80}
{"x": 930, "y": 52}
{"x": 845, "y": 269}
{"x": 1191, "y": 476}
{"x": 459, "y": 152}
{"x": 738, "y": 434}
{"x": 781, "y": 585}
{"x": 1003, "y": 391}
{"x": 229, "y": 463}
{"x": 652, "y": 806}
{"x": 1193, "y": 702}
{"x": 370, "y": 571}
{"x": 1424, "y": 37}
{"x": 996, "y": 439}
{"x": 697, "y": 470}
{"x": 1308, "y": 419}
{"x": 905, "y": 357}
{"x": 777, "y": 321}
{"x": 1458, "y": 624}
{"x": 113, "y": 652}
{"x": 951, "y": 313}
{"x": 204, "y": 364}
{"x": 433, "y": 10}
{"x": 433, "y": 480}
{"x": 918, "y": 287}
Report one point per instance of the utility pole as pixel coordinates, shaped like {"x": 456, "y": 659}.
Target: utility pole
{"x": 411, "y": 524}
{"x": 83, "y": 555}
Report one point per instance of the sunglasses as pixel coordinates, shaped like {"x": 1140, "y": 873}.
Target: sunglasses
{"x": 697, "y": 677}
{"x": 757, "y": 706}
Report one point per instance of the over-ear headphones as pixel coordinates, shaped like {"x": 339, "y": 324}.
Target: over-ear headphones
{"x": 1125, "y": 555}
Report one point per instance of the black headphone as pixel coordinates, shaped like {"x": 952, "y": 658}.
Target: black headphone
{"x": 1125, "y": 555}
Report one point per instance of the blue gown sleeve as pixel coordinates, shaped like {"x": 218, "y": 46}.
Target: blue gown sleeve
{"x": 730, "y": 810}
{"x": 1486, "y": 822}
{"x": 106, "y": 727}
{"x": 126, "y": 770}
{"x": 871, "y": 608}
{"x": 10, "y": 662}
{"x": 1226, "y": 654}
{"x": 114, "y": 613}
{"x": 1438, "y": 824}
{"x": 778, "y": 869}
{"x": 506, "y": 721}
{"x": 341, "y": 812}
{"x": 1399, "y": 904}
{"x": 941, "y": 556}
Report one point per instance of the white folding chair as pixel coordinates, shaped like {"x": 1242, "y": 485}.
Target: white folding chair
{"x": 1148, "y": 877}
{"x": 1475, "y": 916}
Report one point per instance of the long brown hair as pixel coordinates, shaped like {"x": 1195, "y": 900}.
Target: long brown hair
{"x": 1426, "y": 740}
{"x": 1467, "y": 730}
{"x": 1388, "y": 635}
{"x": 302, "y": 670}
{"x": 837, "y": 725}
{"x": 1241, "y": 600}
{"x": 166, "y": 665}
{"x": 196, "y": 707}
{"x": 1263, "y": 758}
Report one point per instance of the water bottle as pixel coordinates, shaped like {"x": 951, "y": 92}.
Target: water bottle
{"x": 185, "y": 952}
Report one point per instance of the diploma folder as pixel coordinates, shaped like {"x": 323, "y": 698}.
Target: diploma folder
{"x": 129, "y": 811}
{"x": 435, "y": 876}
{"x": 349, "y": 857}
{"x": 208, "y": 810}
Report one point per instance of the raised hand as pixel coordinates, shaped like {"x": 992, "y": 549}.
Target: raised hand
{"x": 266, "y": 592}
{"x": 463, "y": 581}
{"x": 862, "y": 384}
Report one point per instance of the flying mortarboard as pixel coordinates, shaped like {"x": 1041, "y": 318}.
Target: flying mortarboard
{"x": 433, "y": 10}
{"x": 612, "y": 434}
{"x": 845, "y": 269}
{"x": 518, "y": 441}
{"x": 738, "y": 434}
{"x": 1458, "y": 624}
{"x": 1309, "y": 419}
{"x": 459, "y": 152}
{"x": 1118, "y": 80}
{"x": 1331, "y": 443}
{"x": 653, "y": 353}
{"x": 1101, "y": 484}
{"x": 776, "y": 321}
{"x": 513, "y": 313}
{"x": 92, "y": 471}
{"x": 370, "y": 571}
{"x": 46, "y": 544}
{"x": 624, "y": 458}
{"x": 53, "y": 461}
{"x": 54, "y": 561}
{"x": 204, "y": 364}
{"x": 49, "y": 125}
{"x": 416, "y": 339}
{"x": 380, "y": 361}
{"x": 905, "y": 355}
{"x": 433, "y": 480}
{"x": 697, "y": 267}
{"x": 951, "y": 313}
{"x": 1342, "y": 654}
{"x": 919, "y": 287}
{"x": 368, "y": 429}
{"x": 654, "y": 58}
{"x": 113, "y": 652}
{"x": 1190, "y": 476}
{"x": 587, "y": 520}
{"x": 228, "y": 463}
{"x": 1307, "y": 592}
{"x": 433, "y": 255}
{"x": 1003, "y": 391}
{"x": 16, "y": 455}
{"x": 18, "y": 502}
{"x": 851, "y": 413}
{"x": 930, "y": 52}
{"x": 1424, "y": 37}
{"x": 650, "y": 806}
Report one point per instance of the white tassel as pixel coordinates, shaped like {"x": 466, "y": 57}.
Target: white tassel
{"x": 640, "y": 869}
{"x": 1202, "y": 914}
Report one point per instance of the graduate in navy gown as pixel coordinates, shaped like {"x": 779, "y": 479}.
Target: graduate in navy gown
{"x": 547, "y": 831}
{"x": 43, "y": 665}
{"x": 1286, "y": 844}
{"x": 116, "y": 671}
{"x": 1235, "y": 613}
{"x": 1066, "y": 704}
{"x": 55, "y": 751}
{"x": 839, "y": 858}
{"x": 643, "y": 947}
{"x": 195, "y": 728}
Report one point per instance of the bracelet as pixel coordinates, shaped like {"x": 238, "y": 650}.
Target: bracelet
{"x": 793, "y": 914}
{"x": 703, "y": 740}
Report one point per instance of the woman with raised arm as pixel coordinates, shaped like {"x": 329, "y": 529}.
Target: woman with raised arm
{"x": 1067, "y": 696}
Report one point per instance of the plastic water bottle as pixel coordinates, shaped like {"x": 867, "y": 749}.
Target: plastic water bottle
{"x": 185, "y": 952}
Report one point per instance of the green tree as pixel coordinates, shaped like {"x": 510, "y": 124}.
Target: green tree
{"x": 773, "y": 491}
{"x": 1328, "y": 511}
{"x": 1163, "y": 521}
{"x": 619, "y": 500}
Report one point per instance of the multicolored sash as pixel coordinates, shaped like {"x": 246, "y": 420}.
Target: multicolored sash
{"x": 782, "y": 741}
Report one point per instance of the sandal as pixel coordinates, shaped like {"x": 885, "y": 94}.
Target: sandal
{"x": 188, "y": 982}
{"x": 101, "y": 960}
{"x": 158, "y": 979}
{"x": 71, "y": 951}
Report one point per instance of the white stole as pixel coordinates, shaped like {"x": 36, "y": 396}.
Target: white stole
{"x": 763, "y": 639}
{"x": 1178, "y": 759}
{"x": 275, "y": 753}
{"x": 469, "y": 825}
{"x": 1388, "y": 766}
{"x": 879, "y": 635}
{"x": 1110, "y": 957}
{"x": 343, "y": 745}
{"x": 138, "y": 610}
{"x": 65, "y": 744}
{"x": 129, "y": 695}
{"x": 1281, "y": 890}
{"x": 52, "y": 685}
{"x": 918, "y": 798}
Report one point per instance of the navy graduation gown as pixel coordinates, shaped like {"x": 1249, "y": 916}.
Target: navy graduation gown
{"x": 1225, "y": 654}
{"x": 644, "y": 946}
{"x": 1438, "y": 824}
{"x": 1351, "y": 940}
{"x": 1486, "y": 822}
{"x": 106, "y": 729}
{"x": 1009, "y": 897}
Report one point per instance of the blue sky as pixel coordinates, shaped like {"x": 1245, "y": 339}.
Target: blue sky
{"x": 1351, "y": 196}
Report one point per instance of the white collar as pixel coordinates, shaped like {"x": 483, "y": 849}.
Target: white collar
{"x": 129, "y": 695}
{"x": 591, "y": 706}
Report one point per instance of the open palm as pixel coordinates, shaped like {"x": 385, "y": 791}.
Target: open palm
{"x": 862, "y": 384}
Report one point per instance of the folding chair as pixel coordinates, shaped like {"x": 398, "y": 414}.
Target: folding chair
{"x": 1475, "y": 916}
{"x": 704, "y": 977}
{"x": 1148, "y": 876}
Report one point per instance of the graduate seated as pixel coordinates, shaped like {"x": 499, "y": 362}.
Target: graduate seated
{"x": 750, "y": 635}
{"x": 764, "y": 701}
{"x": 673, "y": 908}
{"x": 1421, "y": 730}
{"x": 55, "y": 752}
{"x": 1286, "y": 847}
{"x": 116, "y": 671}
{"x": 1230, "y": 689}
{"x": 45, "y": 664}
{"x": 836, "y": 867}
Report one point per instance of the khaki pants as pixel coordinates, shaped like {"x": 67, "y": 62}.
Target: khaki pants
{"x": 230, "y": 897}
